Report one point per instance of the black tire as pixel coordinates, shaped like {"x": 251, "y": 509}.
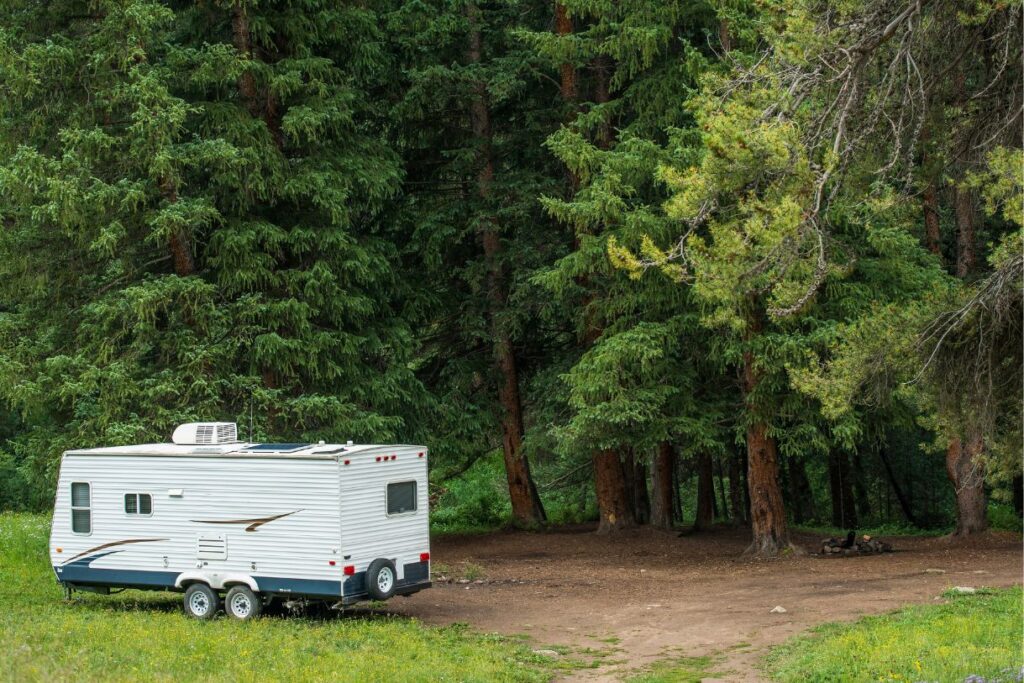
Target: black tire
{"x": 242, "y": 604}
{"x": 381, "y": 579}
{"x": 201, "y": 602}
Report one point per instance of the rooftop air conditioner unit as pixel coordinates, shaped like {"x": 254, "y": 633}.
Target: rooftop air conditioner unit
{"x": 205, "y": 433}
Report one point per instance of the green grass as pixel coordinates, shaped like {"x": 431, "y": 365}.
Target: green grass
{"x": 674, "y": 670}
{"x": 144, "y": 636}
{"x": 970, "y": 635}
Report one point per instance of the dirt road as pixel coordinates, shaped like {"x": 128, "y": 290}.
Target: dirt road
{"x": 651, "y": 594}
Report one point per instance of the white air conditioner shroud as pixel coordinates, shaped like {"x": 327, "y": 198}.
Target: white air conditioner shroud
{"x": 205, "y": 433}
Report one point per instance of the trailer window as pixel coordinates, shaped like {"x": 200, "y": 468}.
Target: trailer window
{"x": 401, "y": 497}
{"x": 138, "y": 504}
{"x": 81, "y": 502}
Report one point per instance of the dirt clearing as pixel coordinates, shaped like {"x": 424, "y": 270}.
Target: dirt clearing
{"x": 648, "y": 594}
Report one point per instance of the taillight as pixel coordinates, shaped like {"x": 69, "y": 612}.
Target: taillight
{"x": 424, "y": 557}
{"x": 349, "y": 569}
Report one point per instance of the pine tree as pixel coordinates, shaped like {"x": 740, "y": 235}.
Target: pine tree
{"x": 192, "y": 194}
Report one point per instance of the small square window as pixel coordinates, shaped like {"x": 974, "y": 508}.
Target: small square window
{"x": 138, "y": 504}
{"x": 401, "y": 497}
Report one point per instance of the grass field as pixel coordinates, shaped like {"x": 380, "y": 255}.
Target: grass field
{"x": 143, "y": 636}
{"x": 970, "y": 636}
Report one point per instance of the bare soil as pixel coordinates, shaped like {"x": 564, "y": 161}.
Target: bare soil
{"x": 647, "y": 594}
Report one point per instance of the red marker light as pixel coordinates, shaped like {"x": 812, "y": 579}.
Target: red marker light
{"x": 394, "y": 457}
{"x": 421, "y": 455}
{"x": 331, "y": 562}
{"x": 424, "y": 557}
{"x": 348, "y": 462}
{"x": 378, "y": 458}
{"x": 349, "y": 569}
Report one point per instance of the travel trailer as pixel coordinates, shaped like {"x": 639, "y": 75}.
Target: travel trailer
{"x": 243, "y": 524}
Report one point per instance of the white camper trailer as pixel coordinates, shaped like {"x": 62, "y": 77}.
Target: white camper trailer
{"x": 211, "y": 516}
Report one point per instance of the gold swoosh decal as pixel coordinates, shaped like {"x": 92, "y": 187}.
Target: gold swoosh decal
{"x": 111, "y": 545}
{"x": 254, "y": 524}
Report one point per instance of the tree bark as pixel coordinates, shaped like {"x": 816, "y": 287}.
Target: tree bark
{"x": 602, "y": 66}
{"x": 662, "y": 485}
{"x": 566, "y": 70}
{"x": 767, "y": 512}
{"x": 526, "y": 506}
{"x": 966, "y": 471}
{"x": 966, "y": 257}
{"x": 179, "y": 243}
{"x": 705, "y": 515}
{"x": 611, "y": 493}
{"x": 724, "y": 35}
{"x": 840, "y": 480}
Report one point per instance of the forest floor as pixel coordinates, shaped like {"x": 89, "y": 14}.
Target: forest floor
{"x": 648, "y": 595}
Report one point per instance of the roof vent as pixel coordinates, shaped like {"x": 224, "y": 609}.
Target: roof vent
{"x": 205, "y": 433}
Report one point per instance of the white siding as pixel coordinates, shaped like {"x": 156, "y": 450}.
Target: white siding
{"x": 298, "y": 546}
{"x": 367, "y": 531}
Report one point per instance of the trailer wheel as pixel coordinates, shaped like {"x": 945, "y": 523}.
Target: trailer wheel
{"x": 242, "y": 604}
{"x": 201, "y": 601}
{"x": 381, "y": 579}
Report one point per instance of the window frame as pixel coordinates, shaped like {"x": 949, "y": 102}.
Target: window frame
{"x": 415, "y": 498}
{"x": 138, "y": 504}
{"x": 72, "y": 507}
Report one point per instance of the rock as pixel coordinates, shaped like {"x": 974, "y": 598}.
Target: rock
{"x": 546, "y": 653}
{"x": 778, "y": 609}
{"x": 462, "y": 581}
{"x": 934, "y": 571}
{"x": 968, "y": 590}
{"x": 479, "y": 581}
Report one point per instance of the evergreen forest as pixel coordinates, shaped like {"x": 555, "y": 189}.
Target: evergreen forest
{"x": 645, "y": 262}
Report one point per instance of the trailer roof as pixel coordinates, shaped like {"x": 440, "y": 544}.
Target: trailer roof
{"x": 317, "y": 451}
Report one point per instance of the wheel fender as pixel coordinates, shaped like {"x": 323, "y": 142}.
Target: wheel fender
{"x": 215, "y": 580}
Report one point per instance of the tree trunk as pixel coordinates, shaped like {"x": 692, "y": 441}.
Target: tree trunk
{"x": 966, "y": 471}
{"x": 901, "y": 497}
{"x": 611, "y": 492}
{"x": 629, "y": 480}
{"x": 705, "y": 515}
{"x": 724, "y": 35}
{"x": 641, "y": 497}
{"x": 179, "y": 242}
{"x": 723, "y": 510}
{"x": 526, "y": 506}
{"x": 663, "y": 486}
{"x": 566, "y": 70}
{"x": 1018, "y": 495}
{"x": 966, "y": 257}
{"x": 767, "y": 512}
{"x": 840, "y": 480}
{"x": 602, "y": 66}
{"x": 801, "y": 495}
{"x": 677, "y": 498}
{"x": 860, "y": 493}
{"x": 737, "y": 495}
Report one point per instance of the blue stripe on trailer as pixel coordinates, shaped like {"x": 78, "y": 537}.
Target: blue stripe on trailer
{"x": 312, "y": 587}
{"x": 82, "y": 573}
